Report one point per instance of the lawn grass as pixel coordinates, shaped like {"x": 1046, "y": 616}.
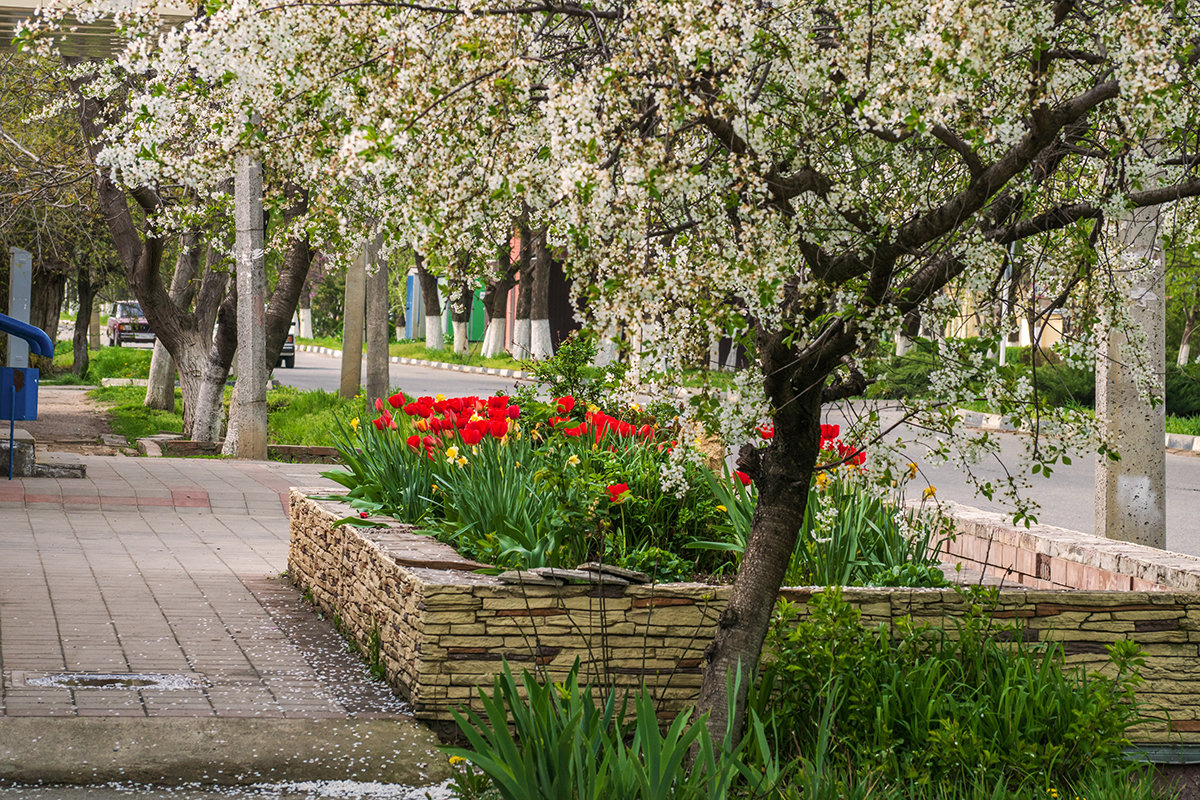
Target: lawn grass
{"x": 129, "y": 418}
{"x": 294, "y": 417}
{"x": 107, "y": 362}
{"x": 415, "y": 348}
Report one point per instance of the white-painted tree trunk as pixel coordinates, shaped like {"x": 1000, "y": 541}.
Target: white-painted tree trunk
{"x": 231, "y": 434}
{"x": 903, "y": 343}
{"x": 210, "y": 410}
{"x": 160, "y": 387}
{"x": 607, "y": 350}
{"x": 1185, "y": 353}
{"x": 522, "y": 339}
{"x": 541, "y": 345}
{"x": 461, "y": 337}
{"x": 435, "y": 336}
{"x": 493, "y": 338}
{"x": 306, "y": 331}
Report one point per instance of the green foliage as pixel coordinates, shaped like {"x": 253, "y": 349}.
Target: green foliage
{"x": 129, "y": 418}
{"x": 570, "y": 372}
{"x": 1183, "y": 390}
{"x": 851, "y": 536}
{"x": 566, "y": 742}
{"x": 307, "y": 417}
{"x": 971, "y": 705}
{"x": 379, "y": 477}
{"x": 119, "y": 362}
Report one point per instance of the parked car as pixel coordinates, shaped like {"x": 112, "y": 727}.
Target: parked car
{"x": 287, "y": 355}
{"x": 127, "y": 324}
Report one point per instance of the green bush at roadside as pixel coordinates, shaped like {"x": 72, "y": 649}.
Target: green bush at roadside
{"x": 842, "y": 712}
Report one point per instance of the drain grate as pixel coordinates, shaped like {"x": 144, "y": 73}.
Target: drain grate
{"x": 94, "y": 680}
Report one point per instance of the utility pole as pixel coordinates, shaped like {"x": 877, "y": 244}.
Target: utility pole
{"x": 251, "y": 388}
{"x": 352, "y": 325}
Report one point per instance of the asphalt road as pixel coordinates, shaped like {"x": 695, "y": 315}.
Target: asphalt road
{"x": 316, "y": 371}
{"x": 1065, "y": 499}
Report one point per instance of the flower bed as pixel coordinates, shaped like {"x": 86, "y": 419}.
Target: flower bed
{"x": 519, "y": 483}
{"x": 439, "y": 629}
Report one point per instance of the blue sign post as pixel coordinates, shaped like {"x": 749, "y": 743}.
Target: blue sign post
{"x": 19, "y": 385}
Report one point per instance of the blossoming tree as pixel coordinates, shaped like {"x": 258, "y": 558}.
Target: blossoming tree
{"x": 801, "y": 175}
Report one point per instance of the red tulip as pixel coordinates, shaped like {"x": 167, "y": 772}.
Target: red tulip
{"x": 412, "y": 409}
{"x": 414, "y": 441}
{"x": 514, "y": 412}
{"x": 429, "y": 441}
{"x": 830, "y": 431}
{"x": 379, "y": 423}
{"x": 646, "y": 431}
{"x": 497, "y": 401}
{"x": 578, "y": 430}
{"x": 766, "y": 431}
{"x": 615, "y": 491}
{"x": 565, "y": 404}
{"x": 455, "y": 404}
{"x": 471, "y": 435}
{"x": 499, "y": 427}
{"x": 379, "y": 404}
{"x": 397, "y": 399}
{"x": 741, "y": 476}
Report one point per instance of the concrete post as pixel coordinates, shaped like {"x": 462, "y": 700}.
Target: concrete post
{"x": 94, "y": 328}
{"x": 1131, "y": 493}
{"x": 377, "y": 331}
{"x": 20, "y": 286}
{"x": 251, "y": 409}
{"x": 352, "y": 326}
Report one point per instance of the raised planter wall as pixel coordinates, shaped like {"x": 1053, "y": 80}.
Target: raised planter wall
{"x": 440, "y": 630}
{"x": 1046, "y": 557}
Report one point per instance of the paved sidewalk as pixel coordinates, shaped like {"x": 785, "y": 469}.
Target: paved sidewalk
{"x": 171, "y": 568}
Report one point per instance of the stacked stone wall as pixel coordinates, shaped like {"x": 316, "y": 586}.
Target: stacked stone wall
{"x": 441, "y": 630}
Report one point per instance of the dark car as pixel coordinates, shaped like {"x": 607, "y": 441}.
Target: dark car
{"x": 127, "y": 324}
{"x": 287, "y": 354}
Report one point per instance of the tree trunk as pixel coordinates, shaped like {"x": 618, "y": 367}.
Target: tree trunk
{"x": 305, "y": 312}
{"x": 83, "y": 320}
{"x": 541, "y": 345}
{"x": 782, "y": 478}
{"x": 1189, "y": 327}
{"x": 377, "y": 332}
{"x": 495, "y": 302}
{"x": 435, "y": 338}
{"x": 46, "y": 299}
{"x": 297, "y": 260}
{"x": 160, "y": 388}
{"x": 522, "y": 336}
{"x": 461, "y": 316}
{"x": 210, "y": 409}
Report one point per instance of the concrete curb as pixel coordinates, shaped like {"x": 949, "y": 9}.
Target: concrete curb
{"x": 420, "y": 362}
{"x": 997, "y": 422}
{"x": 178, "y": 750}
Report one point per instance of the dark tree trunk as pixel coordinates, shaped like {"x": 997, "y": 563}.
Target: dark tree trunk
{"x": 525, "y": 289}
{"x": 540, "y": 343}
{"x": 782, "y": 477}
{"x": 160, "y": 388}
{"x": 83, "y": 319}
{"x": 296, "y": 262}
{"x": 46, "y": 299}
{"x": 434, "y": 335}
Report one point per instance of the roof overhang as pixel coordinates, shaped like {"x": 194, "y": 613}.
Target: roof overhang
{"x": 91, "y": 40}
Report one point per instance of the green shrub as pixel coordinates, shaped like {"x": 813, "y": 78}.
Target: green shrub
{"x": 567, "y": 742}
{"x": 1183, "y": 390}
{"x": 972, "y": 705}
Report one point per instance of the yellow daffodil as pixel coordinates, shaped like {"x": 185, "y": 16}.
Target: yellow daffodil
{"x": 462, "y": 461}
{"x": 912, "y": 469}
{"x": 573, "y": 460}
{"x": 455, "y": 760}
{"x": 593, "y": 409}
{"x": 354, "y": 423}
{"x": 823, "y": 481}
{"x": 451, "y": 454}
{"x": 722, "y": 508}
{"x": 929, "y": 492}
{"x": 634, "y": 407}
{"x": 439, "y": 397}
